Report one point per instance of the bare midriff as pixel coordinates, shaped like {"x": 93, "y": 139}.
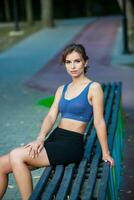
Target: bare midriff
{"x": 73, "y": 125}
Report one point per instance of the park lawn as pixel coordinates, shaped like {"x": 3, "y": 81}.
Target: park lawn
{"x": 7, "y": 41}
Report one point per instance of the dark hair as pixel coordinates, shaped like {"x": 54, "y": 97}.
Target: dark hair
{"x": 75, "y": 47}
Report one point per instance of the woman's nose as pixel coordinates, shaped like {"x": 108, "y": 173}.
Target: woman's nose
{"x": 73, "y": 65}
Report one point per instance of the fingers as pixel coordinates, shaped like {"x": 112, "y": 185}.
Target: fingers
{"x": 40, "y": 148}
{"x": 34, "y": 149}
{"x": 111, "y": 161}
{"x": 32, "y": 152}
{"x": 27, "y": 145}
{"x": 105, "y": 160}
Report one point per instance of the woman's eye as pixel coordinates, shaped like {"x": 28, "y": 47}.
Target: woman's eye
{"x": 70, "y": 62}
{"x": 77, "y": 61}
{"x": 67, "y": 62}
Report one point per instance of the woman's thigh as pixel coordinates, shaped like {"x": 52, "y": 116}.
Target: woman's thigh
{"x": 22, "y": 154}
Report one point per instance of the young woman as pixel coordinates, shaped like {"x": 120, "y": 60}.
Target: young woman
{"x": 77, "y": 101}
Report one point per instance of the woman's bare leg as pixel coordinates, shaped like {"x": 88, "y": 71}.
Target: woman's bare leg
{"x": 5, "y": 169}
{"x": 20, "y": 160}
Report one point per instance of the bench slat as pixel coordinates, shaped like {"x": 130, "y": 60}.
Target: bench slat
{"x": 66, "y": 182}
{"x": 41, "y": 184}
{"x": 78, "y": 180}
{"x": 53, "y": 184}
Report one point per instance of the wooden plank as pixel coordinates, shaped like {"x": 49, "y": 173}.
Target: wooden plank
{"x": 41, "y": 184}
{"x": 87, "y": 194}
{"x": 66, "y": 182}
{"x": 53, "y": 184}
{"x": 78, "y": 180}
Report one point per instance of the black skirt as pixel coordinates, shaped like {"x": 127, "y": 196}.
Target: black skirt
{"x": 64, "y": 147}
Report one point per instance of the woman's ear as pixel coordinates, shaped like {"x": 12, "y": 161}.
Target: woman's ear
{"x": 86, "y": 63}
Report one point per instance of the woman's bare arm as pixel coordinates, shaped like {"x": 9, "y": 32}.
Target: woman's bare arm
{"x": 99, "y": 122}
{"x": 35, "y": 147}
{"x": 51, "y": 117}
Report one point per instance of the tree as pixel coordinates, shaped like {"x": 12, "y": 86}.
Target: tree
{"x": 47, "y": 12}
{"x": 87, "y": 8}
{"x": 7, "y": 11}
{"x": 129, "y": 11}
{"x": 29, "y": 12}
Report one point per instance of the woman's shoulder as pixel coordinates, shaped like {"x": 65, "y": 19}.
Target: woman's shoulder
{"x": 96, "y": 85}
{"x": 96, "y": 89}
{"x": 60, "y": 87}
{"x": 60, "y": 90}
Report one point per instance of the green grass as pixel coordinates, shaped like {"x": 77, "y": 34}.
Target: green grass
{"x": 7, "y": 41}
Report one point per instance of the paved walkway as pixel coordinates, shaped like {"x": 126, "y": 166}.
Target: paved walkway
{"x": 21, "y": 118}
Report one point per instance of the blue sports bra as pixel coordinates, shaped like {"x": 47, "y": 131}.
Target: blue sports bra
{"x": 77, "y": 108}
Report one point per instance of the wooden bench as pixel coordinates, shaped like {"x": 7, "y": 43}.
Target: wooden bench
{"x": 92, "y": 178}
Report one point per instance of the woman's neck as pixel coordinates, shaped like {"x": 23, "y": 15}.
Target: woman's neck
{"x": 79, "y": 81}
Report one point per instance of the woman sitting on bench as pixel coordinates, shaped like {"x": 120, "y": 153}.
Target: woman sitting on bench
{"x": 77, "y": 101}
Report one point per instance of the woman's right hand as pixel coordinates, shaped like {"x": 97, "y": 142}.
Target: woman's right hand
{"x": 34, "y": 148}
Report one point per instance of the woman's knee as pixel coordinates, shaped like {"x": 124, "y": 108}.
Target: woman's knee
{"x": 5, "y": 165}
{"x": 16, "y": 156}
{"x": 2, "y": 165}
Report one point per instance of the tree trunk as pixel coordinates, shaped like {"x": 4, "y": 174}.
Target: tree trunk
{"x": 129, "y": 12}
{"x": 130, "y": 15}
{"x": 47, "y": 12}
{"x": 7, "y": 12}
{"x": 29, "y": 13}
{"x": 87, "y": 8}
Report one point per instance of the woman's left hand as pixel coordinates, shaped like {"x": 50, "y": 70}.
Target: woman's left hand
{"x": 108, "y": 158}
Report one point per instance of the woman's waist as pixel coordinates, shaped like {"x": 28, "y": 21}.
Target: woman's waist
{"x": 72, "y": 125}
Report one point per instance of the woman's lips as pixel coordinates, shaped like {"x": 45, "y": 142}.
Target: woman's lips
{"x": 73, "y": 72}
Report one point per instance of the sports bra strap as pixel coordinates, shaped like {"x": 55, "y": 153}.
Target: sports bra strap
{"x": 64, "y": 89}
{"x": 90, "y": 84}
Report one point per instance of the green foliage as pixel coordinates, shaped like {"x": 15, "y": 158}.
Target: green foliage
{"x": 47, "y": 102}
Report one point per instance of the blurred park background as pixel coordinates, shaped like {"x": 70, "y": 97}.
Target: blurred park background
{"x": 32, "y": 36}
{"x": 31, "y": 15}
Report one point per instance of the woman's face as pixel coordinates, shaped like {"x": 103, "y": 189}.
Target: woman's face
{"x": 75, "y": 64}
